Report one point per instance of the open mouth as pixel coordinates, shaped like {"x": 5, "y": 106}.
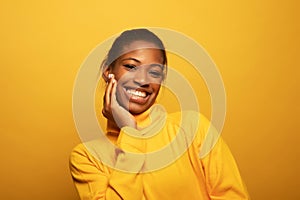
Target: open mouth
{"x": 136, "y": 93}
{"x": 137, "y": 96}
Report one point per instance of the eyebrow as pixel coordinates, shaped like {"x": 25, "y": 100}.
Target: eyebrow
{"x": 136, "y": 60}
{"x": 157, "y": 65}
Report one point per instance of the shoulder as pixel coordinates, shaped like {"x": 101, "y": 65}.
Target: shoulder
{"x": 78, "y": 154}
{"x": 82, "y": 163}
{"x": 81, "y": 154}
{"x": 197, "y": 128}
{"x": 98, "y": 153}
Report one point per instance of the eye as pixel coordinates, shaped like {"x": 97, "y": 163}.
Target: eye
{"x": 156, "y": 74}
{"x": 129, "y": 66}
{"x": 156, "y": 70}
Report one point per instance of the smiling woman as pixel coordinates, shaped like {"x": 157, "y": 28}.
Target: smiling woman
{"x": 134, "y": 70}
{"x": 139, "y": 74}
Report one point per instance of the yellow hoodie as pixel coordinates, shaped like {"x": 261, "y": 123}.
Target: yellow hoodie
{"x": 158, "y": 161}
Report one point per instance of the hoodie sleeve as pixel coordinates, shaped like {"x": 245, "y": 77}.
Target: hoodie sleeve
{"x": 223, "y": 179}
{"x": 93, "y": 180}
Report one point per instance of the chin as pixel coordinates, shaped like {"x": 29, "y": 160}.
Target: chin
{"x": 138, "y": 109}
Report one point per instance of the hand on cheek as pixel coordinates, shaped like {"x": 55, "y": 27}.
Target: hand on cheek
{"x": 112, "y": 109}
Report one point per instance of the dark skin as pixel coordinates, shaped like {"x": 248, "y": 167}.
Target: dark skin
{"x": 133, "y": 83}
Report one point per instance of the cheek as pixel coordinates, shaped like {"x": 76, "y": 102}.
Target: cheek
{"x": 123, "y": 76}
{"x": 120, "y": 92}
{"x": 156, "y": 87}
{"x": 118, "y": 72}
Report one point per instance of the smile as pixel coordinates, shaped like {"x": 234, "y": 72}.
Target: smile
{"x": 136, "y": 93}
{"x": 137, "y": 96}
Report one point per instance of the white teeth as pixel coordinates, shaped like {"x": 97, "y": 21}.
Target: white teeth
{"x": 136, "y": 93}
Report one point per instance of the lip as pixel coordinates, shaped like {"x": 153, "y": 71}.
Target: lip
{"x": 137, "y": 99}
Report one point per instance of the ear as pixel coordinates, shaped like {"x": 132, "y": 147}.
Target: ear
{"x": 106, "y": 71}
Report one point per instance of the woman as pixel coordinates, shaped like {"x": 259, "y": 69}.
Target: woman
{"x": 134, "y": 70}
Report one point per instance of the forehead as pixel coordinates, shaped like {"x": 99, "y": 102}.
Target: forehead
{"x": 145, "y": 52}
{"x": 139, "y": 44}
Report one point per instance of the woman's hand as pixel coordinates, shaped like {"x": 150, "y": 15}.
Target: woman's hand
{"x": 112, "y": 109}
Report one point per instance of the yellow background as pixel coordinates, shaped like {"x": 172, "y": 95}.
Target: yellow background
{"x": 254, "y": 43}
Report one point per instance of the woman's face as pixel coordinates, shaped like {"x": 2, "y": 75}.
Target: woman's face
{"x": 139, "y": 73}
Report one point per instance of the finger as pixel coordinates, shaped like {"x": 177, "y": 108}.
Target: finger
{"x": 113, "y": 92}
{"x": 106, "y": 110}
{"x": 107, "y": 95}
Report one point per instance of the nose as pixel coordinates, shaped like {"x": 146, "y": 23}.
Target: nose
{"x": 141, "y": 78}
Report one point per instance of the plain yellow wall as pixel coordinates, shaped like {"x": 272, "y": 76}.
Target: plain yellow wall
{"x": 254, "y": 43}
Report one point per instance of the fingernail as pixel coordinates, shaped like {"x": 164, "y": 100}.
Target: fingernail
{"x": 113, "y": 81}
